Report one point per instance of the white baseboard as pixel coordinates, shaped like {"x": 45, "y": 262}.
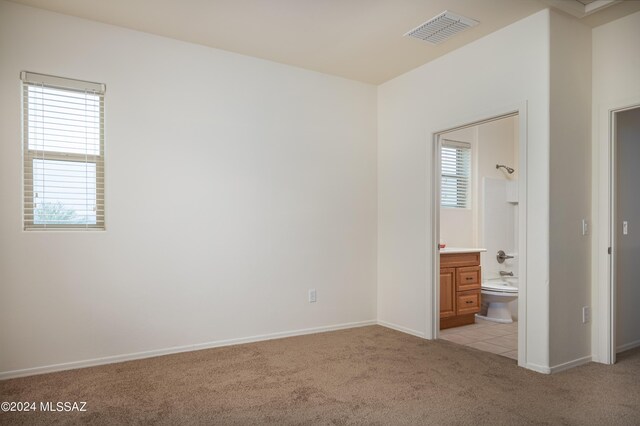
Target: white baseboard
{"x": 628, "y": 346}
{"x": 537, "y": 368}
{"x": 558, "y": 368}
{"x": 401, "y": 328}
{"x": 567, "y": 365}
{"x": 177, "y": 349}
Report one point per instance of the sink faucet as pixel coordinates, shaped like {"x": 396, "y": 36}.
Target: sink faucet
{"x": 506, "y": 274}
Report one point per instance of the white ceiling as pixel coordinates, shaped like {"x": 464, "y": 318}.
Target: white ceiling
{"x": 357, "y": 39}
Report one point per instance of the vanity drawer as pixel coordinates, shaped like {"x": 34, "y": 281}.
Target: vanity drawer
{"x": 455, "y": 260}
{"x": 468, "y": 278}
{"x": 468, "y": 302}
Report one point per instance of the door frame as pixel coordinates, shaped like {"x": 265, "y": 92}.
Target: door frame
{"x": 604, "y": 291}
{"x": 520, "y": 110}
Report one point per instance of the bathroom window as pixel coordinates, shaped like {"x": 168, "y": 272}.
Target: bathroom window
{"x": 63, "y": 139}
{"x": 455, "y": 176}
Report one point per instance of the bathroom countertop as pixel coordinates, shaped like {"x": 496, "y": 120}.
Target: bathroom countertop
{"x": 448, "y": 250}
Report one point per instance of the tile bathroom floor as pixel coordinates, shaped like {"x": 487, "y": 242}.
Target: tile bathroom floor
{"x": 501, "y": 339}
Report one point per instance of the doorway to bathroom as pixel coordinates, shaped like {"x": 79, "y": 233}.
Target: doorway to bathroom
{"x": 480, "y": 218}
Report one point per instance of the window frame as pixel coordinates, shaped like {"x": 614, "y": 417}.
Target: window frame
{"x": 457, "y": 145}
{"x": 29, "y": 155}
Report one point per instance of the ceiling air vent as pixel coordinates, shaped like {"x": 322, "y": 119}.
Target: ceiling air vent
{"x": 440, "y": 28}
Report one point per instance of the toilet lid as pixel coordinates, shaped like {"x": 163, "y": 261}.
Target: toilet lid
{"x": 501, "y": 286}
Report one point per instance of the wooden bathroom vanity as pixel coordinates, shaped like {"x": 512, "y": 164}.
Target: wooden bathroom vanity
{"x": 460, "y": 280}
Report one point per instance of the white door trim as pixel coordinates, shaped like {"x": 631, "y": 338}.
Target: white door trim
{"x": 433, "y": 154}
{"x": 604, "y": 289}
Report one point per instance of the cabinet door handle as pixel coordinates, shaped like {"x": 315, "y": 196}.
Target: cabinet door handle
{"x": 469, "y": 301}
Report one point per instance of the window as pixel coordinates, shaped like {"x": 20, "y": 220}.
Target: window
{"x": 456, "y": 171}
{"x": 63, "y": 140}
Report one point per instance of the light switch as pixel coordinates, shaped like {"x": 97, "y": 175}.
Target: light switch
{"x": 625, "y": 228}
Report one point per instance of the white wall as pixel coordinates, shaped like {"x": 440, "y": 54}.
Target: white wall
{"x": 570, "y": 191}
{"x": 616, "y": 61}
{"x": 233, "y": 185}
{"x": 497, "y": 73}
{"x": 498, "y": 144}
{"x": 457, "y": 227}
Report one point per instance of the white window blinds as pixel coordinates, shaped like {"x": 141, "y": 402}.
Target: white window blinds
{"x": 456, "y": 171}
{"x": 63, "y": 140}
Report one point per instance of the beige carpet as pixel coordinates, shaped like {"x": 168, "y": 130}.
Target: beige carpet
{"x": 369, "y": 375}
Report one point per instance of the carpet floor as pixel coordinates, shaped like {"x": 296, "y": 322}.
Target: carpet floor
{"x": 369, "y": 375}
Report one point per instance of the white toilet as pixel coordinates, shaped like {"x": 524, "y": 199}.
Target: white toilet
{"x": 496, "y": 295}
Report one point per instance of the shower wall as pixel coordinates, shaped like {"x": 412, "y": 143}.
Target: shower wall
{"x": 497, "y": 143}
{"x": 500, "y": 227}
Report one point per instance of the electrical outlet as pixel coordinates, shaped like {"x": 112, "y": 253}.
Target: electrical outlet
{"x": 585, "y": 227}
{"x": 312, "y": 295}
{"x": 586, "y": 314}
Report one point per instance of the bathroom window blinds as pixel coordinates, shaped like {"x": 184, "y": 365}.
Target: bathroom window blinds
{"x": 63, "y": 140}
{"x": 456, "y": 171}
